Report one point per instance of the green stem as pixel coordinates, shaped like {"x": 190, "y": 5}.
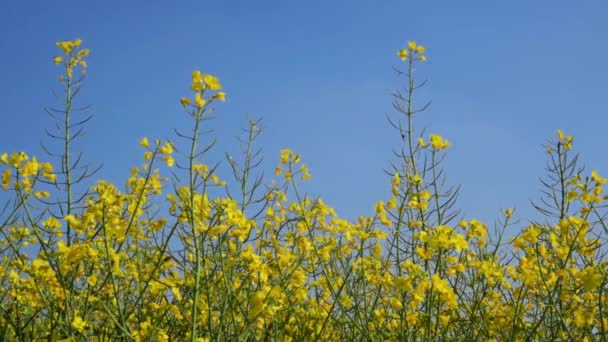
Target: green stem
{"x": 66, "y": 156}
{"x": 197, "y": 263}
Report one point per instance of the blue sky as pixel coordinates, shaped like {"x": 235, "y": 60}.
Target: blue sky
{"x": 503, "y": 77}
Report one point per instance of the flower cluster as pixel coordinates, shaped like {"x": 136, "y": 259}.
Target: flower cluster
{"x": 201, "y": 83}
{"x": 413, "y": 51}
{"x": 72, "y": 56}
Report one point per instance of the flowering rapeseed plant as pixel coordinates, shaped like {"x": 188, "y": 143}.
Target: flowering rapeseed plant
{"x": 266, "y": 262}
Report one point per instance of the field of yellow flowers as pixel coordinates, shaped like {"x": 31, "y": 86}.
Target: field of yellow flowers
{"x": 166, "y": 257}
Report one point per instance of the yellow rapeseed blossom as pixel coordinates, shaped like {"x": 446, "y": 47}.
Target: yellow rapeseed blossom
{"x": 199, "y": 101}
{"x": 565, "y": 141}
{"x": 6, "y": 179}
{"x": 402, "y": 54}
{"x": 421, "y": 142}
{"x": 68, "y": 46}
{"x": 144, "y": 142}
{"x": 589, "y": 278}
{"x": 285, "y": 156}
{"x": 596, "y": 178}
{"x": 438, "y": 142}
{"x": 72, "y": 57}
{"x": 197, "y": 81}
{"x": 212, "y": 82}
{"x": 169, "y": 160}
{"x": 79, "y": 324}
{"x": 304, "y": 172}
{"x": 220, "y": 95}
{"x": 414, "y": 49}
{"x": 166, "y": 148}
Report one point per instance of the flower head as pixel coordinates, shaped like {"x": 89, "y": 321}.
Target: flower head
{"x": 197, "y": 81}
{"x": 199, "y": 101}
{"x": 220, "y": 95}
{"x": 414, "y": 49}
{"x": 212, "y": 82}
{"x": 438, "y": 142}
{"x": 402, "y": 54}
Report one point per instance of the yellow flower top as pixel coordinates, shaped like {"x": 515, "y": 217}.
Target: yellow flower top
{"x": 438, "y": 142}
{"x": 414, "y": 50}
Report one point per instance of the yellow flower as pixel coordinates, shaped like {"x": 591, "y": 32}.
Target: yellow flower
{"x": 30, "y": 168}
{"x": 144, "y": 142}
{"x": 438, "y": 142}
{"x": 396, "y": 179}
{"x": 57, "y": 59}
{"x": 402, "y": 54}
{"x": 589, "y": 278}
{"x": 420, "y": 49}
{"x": 220, "y": 96}
{"x": 403, "y": 283}
{"x": 184, "y": 101}
{"x": 411, "y": 45}
{"x": 305, "y": 174}
{"x": 116, "y": 264}
{"x": 166, "y": 149}
{"x": 285, "y": 156}
{"x": 169, "y": 160}
{"x": 92, "y": 280}
{"x": 197, "y": 81}
{"x": 17, "y": 159}
{"x": 41, "y": 194}
{"x": 422, "y": 58}
{"x": 78, "y": 323}
{"x": 421, "y": 142}
{"x": 257, "y": 299}
{"x": 67, "y": 46}
{"x": 83, "y": 53}
{"x": 396, "y": 303}
{"x": 212, "y": 82}
{"x": 346, "y": 301}
{"x": 6, "y": 179}
{"x": 596, "y": 178}
{"x": 568, "y": 142}
{"x": 199, "y": 101}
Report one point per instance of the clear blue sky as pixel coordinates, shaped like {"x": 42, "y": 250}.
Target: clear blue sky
{"x": 503, "y": 76}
